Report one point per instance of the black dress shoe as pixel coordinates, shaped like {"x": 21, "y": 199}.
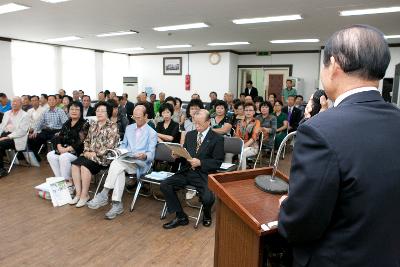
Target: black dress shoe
{"x": 3, "y": 173}
{"x": 176, "y": 222}
{"x": 207, "y": 221}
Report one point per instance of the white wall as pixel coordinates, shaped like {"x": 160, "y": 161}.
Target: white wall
{"x": 5, "y": 69}
{"x": 305, "y": 65}
{"x": 233, "y": 73}
{"x": 205, "y": 77}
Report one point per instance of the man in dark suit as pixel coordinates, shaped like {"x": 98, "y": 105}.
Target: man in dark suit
{"x": 250, "y": 90}
{"x": 344, "y": 186}
{"x": 207, "y": 150}
{"x": 294, "y": 114}
{"x": 127, "y": 107}
{"x": 142, "y": 100}
{"x": 88, "y": 111}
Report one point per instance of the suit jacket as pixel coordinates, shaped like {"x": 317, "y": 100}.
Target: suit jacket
{"x": 211, "y": 153}
{"x": 344, "y": 186}
{"x": 253, "y": 92}
{"x": 20, "y": 133}
{"x": 146, "y": 144}
{"x": 295, "y": 118}
{"x": 129, "y": 107}
{"x": 91, "y": 112}
{"x": 150, "y": 109}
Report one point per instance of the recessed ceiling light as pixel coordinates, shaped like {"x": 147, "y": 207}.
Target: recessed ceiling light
{"x": 181, "y": 27}
{"x": 11, "y": 7}
{"x": 267, "y": 19}
{"x": 392, "y": 36}
{"x": 64, "y": 39}
{"x": 119, "y": 33}
{"x": 370, "y": 11}
{"x": 54, "y": 1}
{"x": 173, "y": 46}
{"x": 228, "y": 43}
{"x": 126, "y": 50}
{"x": 294, "y": 41}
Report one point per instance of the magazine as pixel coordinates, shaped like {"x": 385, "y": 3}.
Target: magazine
{"x": 58, "y": 191}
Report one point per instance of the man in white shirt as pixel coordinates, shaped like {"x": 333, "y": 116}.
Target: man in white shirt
{"x": 35, "y": 112}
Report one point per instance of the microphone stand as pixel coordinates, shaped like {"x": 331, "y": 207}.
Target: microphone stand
{"x": 270, "y": 183}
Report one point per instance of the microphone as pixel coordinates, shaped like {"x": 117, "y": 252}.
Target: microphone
{"x": 271, "y": 183}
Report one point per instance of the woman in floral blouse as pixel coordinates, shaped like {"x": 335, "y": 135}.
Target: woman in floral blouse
{"x": 103, "y": 135}
{"x": 248, "y": 129}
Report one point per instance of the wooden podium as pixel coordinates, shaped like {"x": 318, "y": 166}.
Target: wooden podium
{"x": 242, "y": 209}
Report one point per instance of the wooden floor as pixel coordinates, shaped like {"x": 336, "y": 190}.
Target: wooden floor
{"x": 33, "y": 233}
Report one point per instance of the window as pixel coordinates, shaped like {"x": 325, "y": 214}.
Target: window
{"x": 115, "y": 67}
{"x": 33, "y": 68}
{"x": 78, "y": 70}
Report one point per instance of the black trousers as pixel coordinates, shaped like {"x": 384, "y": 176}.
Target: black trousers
{"x": 4, "y": 145}
{"x": 41, "y": 138}
{"x": 179, "y": 181}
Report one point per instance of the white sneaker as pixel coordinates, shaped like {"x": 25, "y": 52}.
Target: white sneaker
{"x": 74, "y": 200}
{"x": 190, "y": 194}
{"x": 82, "y": 202}
{"x": 116, "y": 209}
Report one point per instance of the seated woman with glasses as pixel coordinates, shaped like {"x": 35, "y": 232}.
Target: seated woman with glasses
{"x": 193, "y": 106}
{"x": 68, "y": 144}
{"x": 102, "y": 136}
{"x": 220, "y": 122}
{"x": 119, "y": 118}
{"x": 267, "y": 123}
{"x": 238, "y": 108}
{"x": 282, "y": 123}
{"x": 248, "y": 129}
{"x": 167, "y": 130}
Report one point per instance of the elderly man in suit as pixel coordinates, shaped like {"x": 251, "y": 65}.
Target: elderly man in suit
{"x": 250, "y": 90}
{"x": 140, "y": 142}
{"x": 13, "y": 131}
{"x": 207, "y": 151}
{"x": 342, "y": 208}
{"x": 294, "y": 114}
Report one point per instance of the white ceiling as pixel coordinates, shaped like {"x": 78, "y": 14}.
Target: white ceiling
{"x": 86, "y": 18}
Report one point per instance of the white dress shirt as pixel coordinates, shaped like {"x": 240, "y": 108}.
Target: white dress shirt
{"x": 34, "y": 115}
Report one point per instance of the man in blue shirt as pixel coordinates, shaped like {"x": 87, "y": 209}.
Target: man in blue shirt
{"x": 48, "y": 125}
{"x": 5, "y": 103}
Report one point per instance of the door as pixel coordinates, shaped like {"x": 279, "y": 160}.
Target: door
{"x": 275, "y": 85}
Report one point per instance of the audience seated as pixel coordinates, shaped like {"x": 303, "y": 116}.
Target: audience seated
{"x": 179, "y": 115}
{"x": 221, "y": 123}
{"x": 272, "y": 99}
{"x": 128, "y": 106}
{"x": 207, "y": 150}
{"x": 213, "y": 98}
{"x": 13, "y": 131}
{"x": 167, "y": 130}
{"x": 248, "y": 129}
{"x": 267, "y": 123}
{"x": 193, "y": 106}
{"x": 43, "y": 101}
{"x": 65, "y": 103}
{"x": 49, "y": 124}
{"x": 88, "y": 111}
{"x": 119, "y": 118}
{"x": 102, "y": 136}
{"x": 68, "y": 143}
{"x": 5, "y": 104}
{"x": 35, "y": 112}
{"x": 294, "y": 114}
{"x": 26, "y": 102}
{"x": 140, "y": 141}
{"x": 142, "y": 100}
{"x": 299, "y": 103}
{"x": 281, "y": 123}
{"x": 239, "y": 113}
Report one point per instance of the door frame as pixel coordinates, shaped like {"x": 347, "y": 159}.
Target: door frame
{"x": 264, "y": 67}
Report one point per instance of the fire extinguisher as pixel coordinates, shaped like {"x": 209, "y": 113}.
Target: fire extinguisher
{"x": 187, "y": 82}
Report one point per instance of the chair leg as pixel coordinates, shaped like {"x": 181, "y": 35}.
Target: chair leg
{"x": 198, "y": 217}
{"x": 98, "y": 185}
{"x": 163, "y": 211}
{"x": 40, "y": 149}
{"x": 13, "y": 160}
{"x": 139, "y": 185}
{"x": 271, "y": 157}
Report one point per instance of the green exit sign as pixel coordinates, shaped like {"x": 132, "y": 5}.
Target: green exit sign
{"x": 263, "y": 53}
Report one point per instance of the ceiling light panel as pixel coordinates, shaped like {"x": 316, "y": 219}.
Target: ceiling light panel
{"x": 181, "y": 27}
{"x": 130, "y": 49}
{"x": 118, "y": 33}
{"x": 267, "y": 19}
{"x": 370, "y": 11}
{"x": 12, "y": 7}
{"x": 64, "y": 39}
{"x": 294, "y": 41}
{"x": 173, "y": 46}
{"x": 228, "y": 43}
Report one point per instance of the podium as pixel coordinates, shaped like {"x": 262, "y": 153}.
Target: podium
{"x": 244, "y": 214}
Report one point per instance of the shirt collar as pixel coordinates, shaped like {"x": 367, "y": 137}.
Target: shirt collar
{"x": 205, "y": 132}
{"x": 352, "y": 92}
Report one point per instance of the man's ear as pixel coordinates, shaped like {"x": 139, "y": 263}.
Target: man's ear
{"x": 334, "y": 68}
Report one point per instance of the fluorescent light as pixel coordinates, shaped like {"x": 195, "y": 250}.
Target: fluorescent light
{"x": 64, "y": 39}
{"x": 126, "y": 50}
{"x": 228, "y": 43}
{"x": 119, "y": 33}
{"x": 370, "y": 11}
{"x": 294, "y": 41}
{"x": 11, "y": 7}
{"x": 181, "y": 27}
{"x": 392, "y": 36}
{"x": 267, "y": 19}
{"x": 54, "y": 1}
{"x": 173, "y": 46}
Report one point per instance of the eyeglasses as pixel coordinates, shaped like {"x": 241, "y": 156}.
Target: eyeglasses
{"x": 101, "y": 111}
{"x": 249, "y": 110}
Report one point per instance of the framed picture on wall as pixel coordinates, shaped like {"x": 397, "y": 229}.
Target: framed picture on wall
{"x": 172, "y": 65}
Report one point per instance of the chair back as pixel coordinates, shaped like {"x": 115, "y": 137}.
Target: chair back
{"x": 163, "y": 153}
{"x": 233, "y": 145}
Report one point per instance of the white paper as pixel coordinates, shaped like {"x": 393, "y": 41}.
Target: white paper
{"x": 58, "y": 191}
{"x": 226, "y": 165}
{"x": 43, "y": 187}
{"x": 159, "y": 175}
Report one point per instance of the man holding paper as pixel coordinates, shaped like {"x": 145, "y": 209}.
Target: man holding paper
{"x": 207, "y": 151}
{"x": 139, "y": 143}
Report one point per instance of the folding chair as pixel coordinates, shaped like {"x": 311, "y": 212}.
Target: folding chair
{"x": 14, "y": 159}
{"x": 233, "y": 145}
{"x": 270, "y": 150}
{"x": 257, "y": 156}
{"x": 162, "y": 154}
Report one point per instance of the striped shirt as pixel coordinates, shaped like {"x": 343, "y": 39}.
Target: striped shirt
{"x": 51, "y": 119}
